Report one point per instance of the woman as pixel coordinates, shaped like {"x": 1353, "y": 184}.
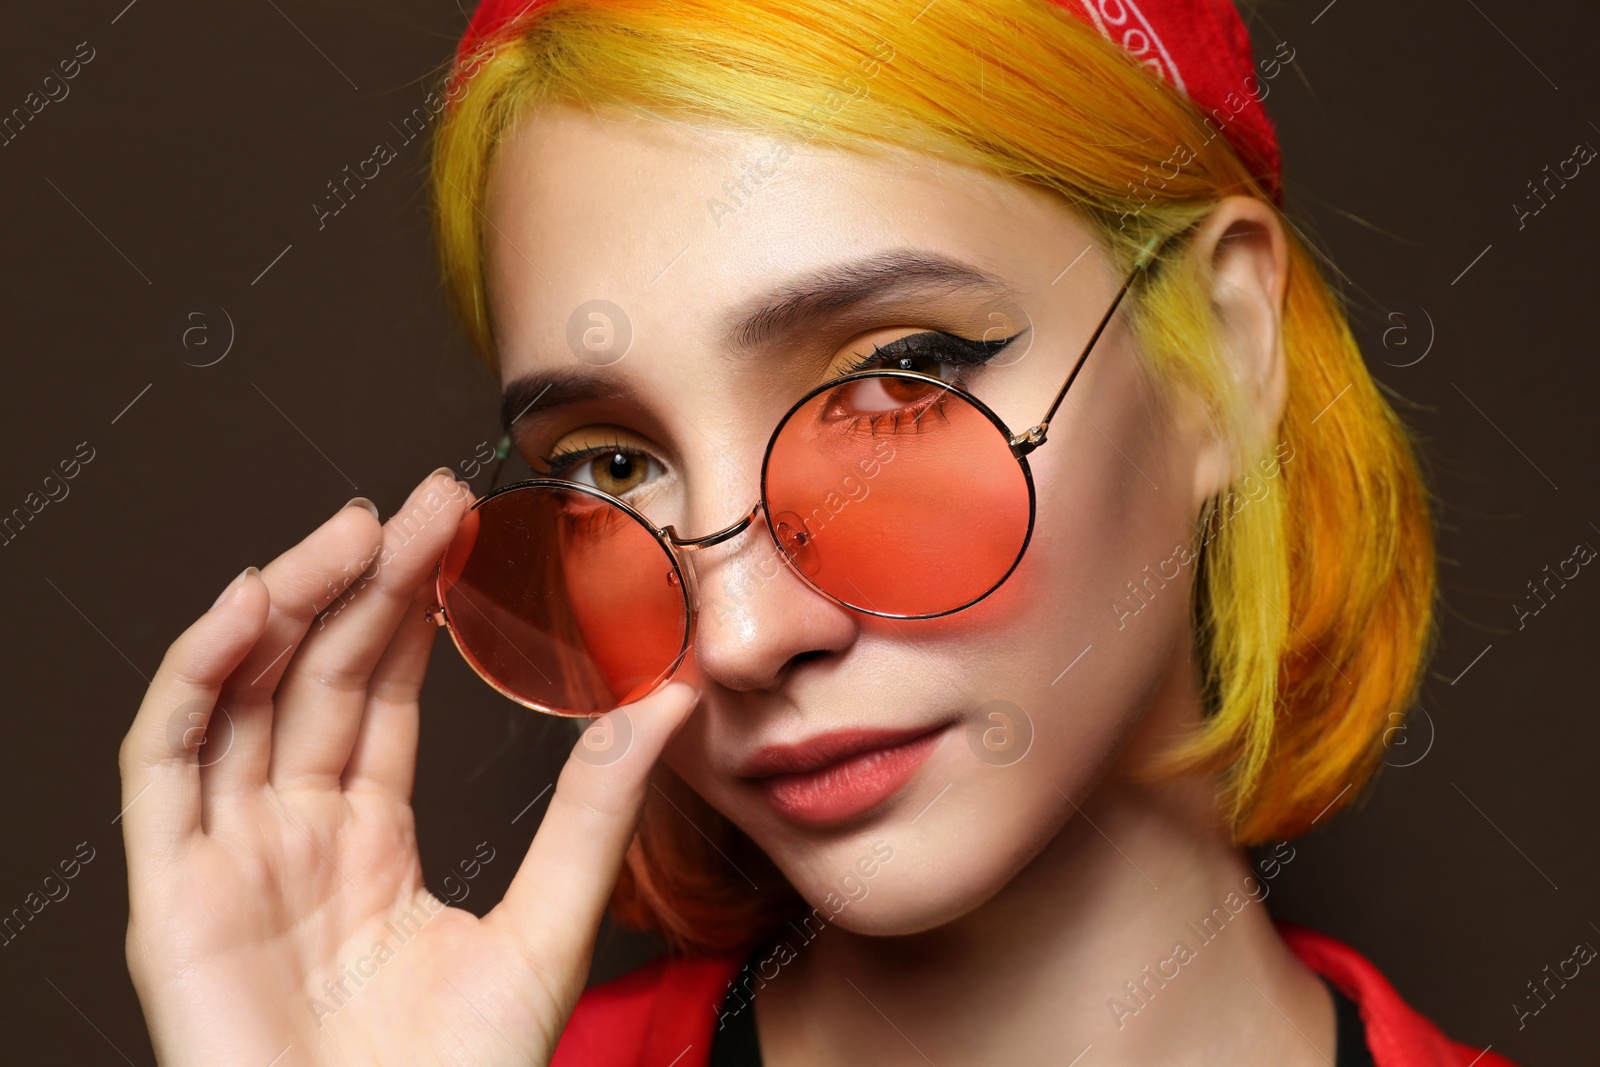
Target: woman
{"x": 1159, "y": 605}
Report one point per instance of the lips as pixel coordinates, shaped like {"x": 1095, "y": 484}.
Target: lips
{"x": 840, "y": 775}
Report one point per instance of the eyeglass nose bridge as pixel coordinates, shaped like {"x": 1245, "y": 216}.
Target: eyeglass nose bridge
{"x": 680, "y": 547}
{"x": 728, "y": 533}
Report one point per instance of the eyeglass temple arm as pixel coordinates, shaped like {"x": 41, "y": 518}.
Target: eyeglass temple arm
{"x": 1030, "y": 439}
{"x": 501, "y": 451}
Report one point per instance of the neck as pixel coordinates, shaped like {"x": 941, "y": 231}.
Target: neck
{"x": 1139, "y": 930}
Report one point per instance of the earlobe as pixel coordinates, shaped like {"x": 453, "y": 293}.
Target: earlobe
{"x": 1245, "y": 250}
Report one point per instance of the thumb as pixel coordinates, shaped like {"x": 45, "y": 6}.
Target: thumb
{"x": 556, "y": 900}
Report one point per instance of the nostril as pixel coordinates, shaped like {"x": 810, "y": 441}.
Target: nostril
{"x": 807, "y": 656}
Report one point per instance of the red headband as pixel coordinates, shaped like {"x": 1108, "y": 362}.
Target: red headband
{"x": 1200, "y": 46}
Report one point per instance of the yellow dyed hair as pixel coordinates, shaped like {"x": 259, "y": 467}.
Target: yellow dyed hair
{"x": 1314, "y": 601}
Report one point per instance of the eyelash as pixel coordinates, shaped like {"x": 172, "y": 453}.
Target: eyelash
{"x": 960, "y": 352}
{"x": 963, "y": 353}
{"x": 563, "y": 460}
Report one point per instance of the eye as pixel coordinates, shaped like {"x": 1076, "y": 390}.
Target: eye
{"x": 875, "y": 395}
{"x": 940, "y": 355}
{"x": 614, "y": 469}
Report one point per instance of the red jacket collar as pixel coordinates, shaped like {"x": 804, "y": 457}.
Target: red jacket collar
{"x": 1397, "y": 1034}
{"x": 664, "y": 1013}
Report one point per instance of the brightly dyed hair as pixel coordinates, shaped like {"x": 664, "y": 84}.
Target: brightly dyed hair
{"x": 1313, "y": 611}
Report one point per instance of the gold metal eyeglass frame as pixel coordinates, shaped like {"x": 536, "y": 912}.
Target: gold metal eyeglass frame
{"x": 678, "y": 547}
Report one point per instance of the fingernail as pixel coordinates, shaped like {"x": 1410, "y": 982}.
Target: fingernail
{"x": 459, "y": 481}
{"x": 362, "y": 502}
{"x": 238, "y": 581}
{"x": 420, "y": 486}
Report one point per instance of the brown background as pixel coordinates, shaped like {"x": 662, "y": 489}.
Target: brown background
{"x": 187, "y": 157}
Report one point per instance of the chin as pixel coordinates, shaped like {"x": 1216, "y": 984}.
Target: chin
{"x": 911, "y": 906}
{"x": 920, "y": 875}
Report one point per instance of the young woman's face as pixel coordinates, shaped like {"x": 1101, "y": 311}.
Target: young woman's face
{"x": 999, "y": 718}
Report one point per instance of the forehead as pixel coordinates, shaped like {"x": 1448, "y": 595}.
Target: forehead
{"x": 683, "y": 226}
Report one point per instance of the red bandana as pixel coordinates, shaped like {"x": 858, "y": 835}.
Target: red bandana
{"x": 1200, "y": 46}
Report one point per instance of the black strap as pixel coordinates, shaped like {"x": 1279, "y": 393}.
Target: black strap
{"x": 1350, "y": 1048}
{"x": 734, "y": 1042}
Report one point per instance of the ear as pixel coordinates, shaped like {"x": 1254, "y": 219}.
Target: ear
{"x": 1244, "y": 255}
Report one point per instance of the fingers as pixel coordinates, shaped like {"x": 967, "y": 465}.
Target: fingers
{"x": 161, "y": 755}
{"x": 324, "y": 690}
{"x": 384, "y": 756}
{"x": 552, "y": 910}
{"x": 301, "y": 582}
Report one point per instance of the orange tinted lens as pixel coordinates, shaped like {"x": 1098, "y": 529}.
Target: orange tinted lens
{"x": 895, "y": 495}
{"x": 562, "y": 600}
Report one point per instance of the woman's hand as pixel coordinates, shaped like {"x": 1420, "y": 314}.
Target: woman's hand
{"x": 264, "y": 879}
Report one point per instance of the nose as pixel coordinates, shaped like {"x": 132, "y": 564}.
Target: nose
{"x": 756, "y": 618}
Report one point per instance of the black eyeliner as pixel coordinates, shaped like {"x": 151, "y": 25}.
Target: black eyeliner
{"x": 935, "y": 344}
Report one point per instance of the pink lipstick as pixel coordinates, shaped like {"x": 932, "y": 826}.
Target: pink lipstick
{"x": 840, "y": 775}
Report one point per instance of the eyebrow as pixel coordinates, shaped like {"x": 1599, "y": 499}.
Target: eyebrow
{"x": 550, "y": 390}
{"x": 905, "y": 274}
{"x": 798, "y": 304}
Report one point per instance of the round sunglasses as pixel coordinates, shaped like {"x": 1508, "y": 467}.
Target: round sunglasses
{"x": 891, "y": 492}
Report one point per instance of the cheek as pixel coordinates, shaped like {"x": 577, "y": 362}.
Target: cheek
{"x": 1112, "y": 507}
{"x": 1114, "y": 522}
{"x": 1045, "y": 654}
{"x": 1059, "y": 658}
{"x": 688, "y": 754}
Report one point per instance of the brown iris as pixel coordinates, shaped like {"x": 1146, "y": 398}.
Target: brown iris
{"x": 616, "y": 472}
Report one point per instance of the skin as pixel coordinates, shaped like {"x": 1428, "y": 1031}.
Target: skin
{"x": 1000, "y": 902}
{"x": 1026, "y": 892}
{"x": 257, "y": 877}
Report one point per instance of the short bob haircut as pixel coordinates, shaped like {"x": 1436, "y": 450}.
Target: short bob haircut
{"x": 1314, "y": 582}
